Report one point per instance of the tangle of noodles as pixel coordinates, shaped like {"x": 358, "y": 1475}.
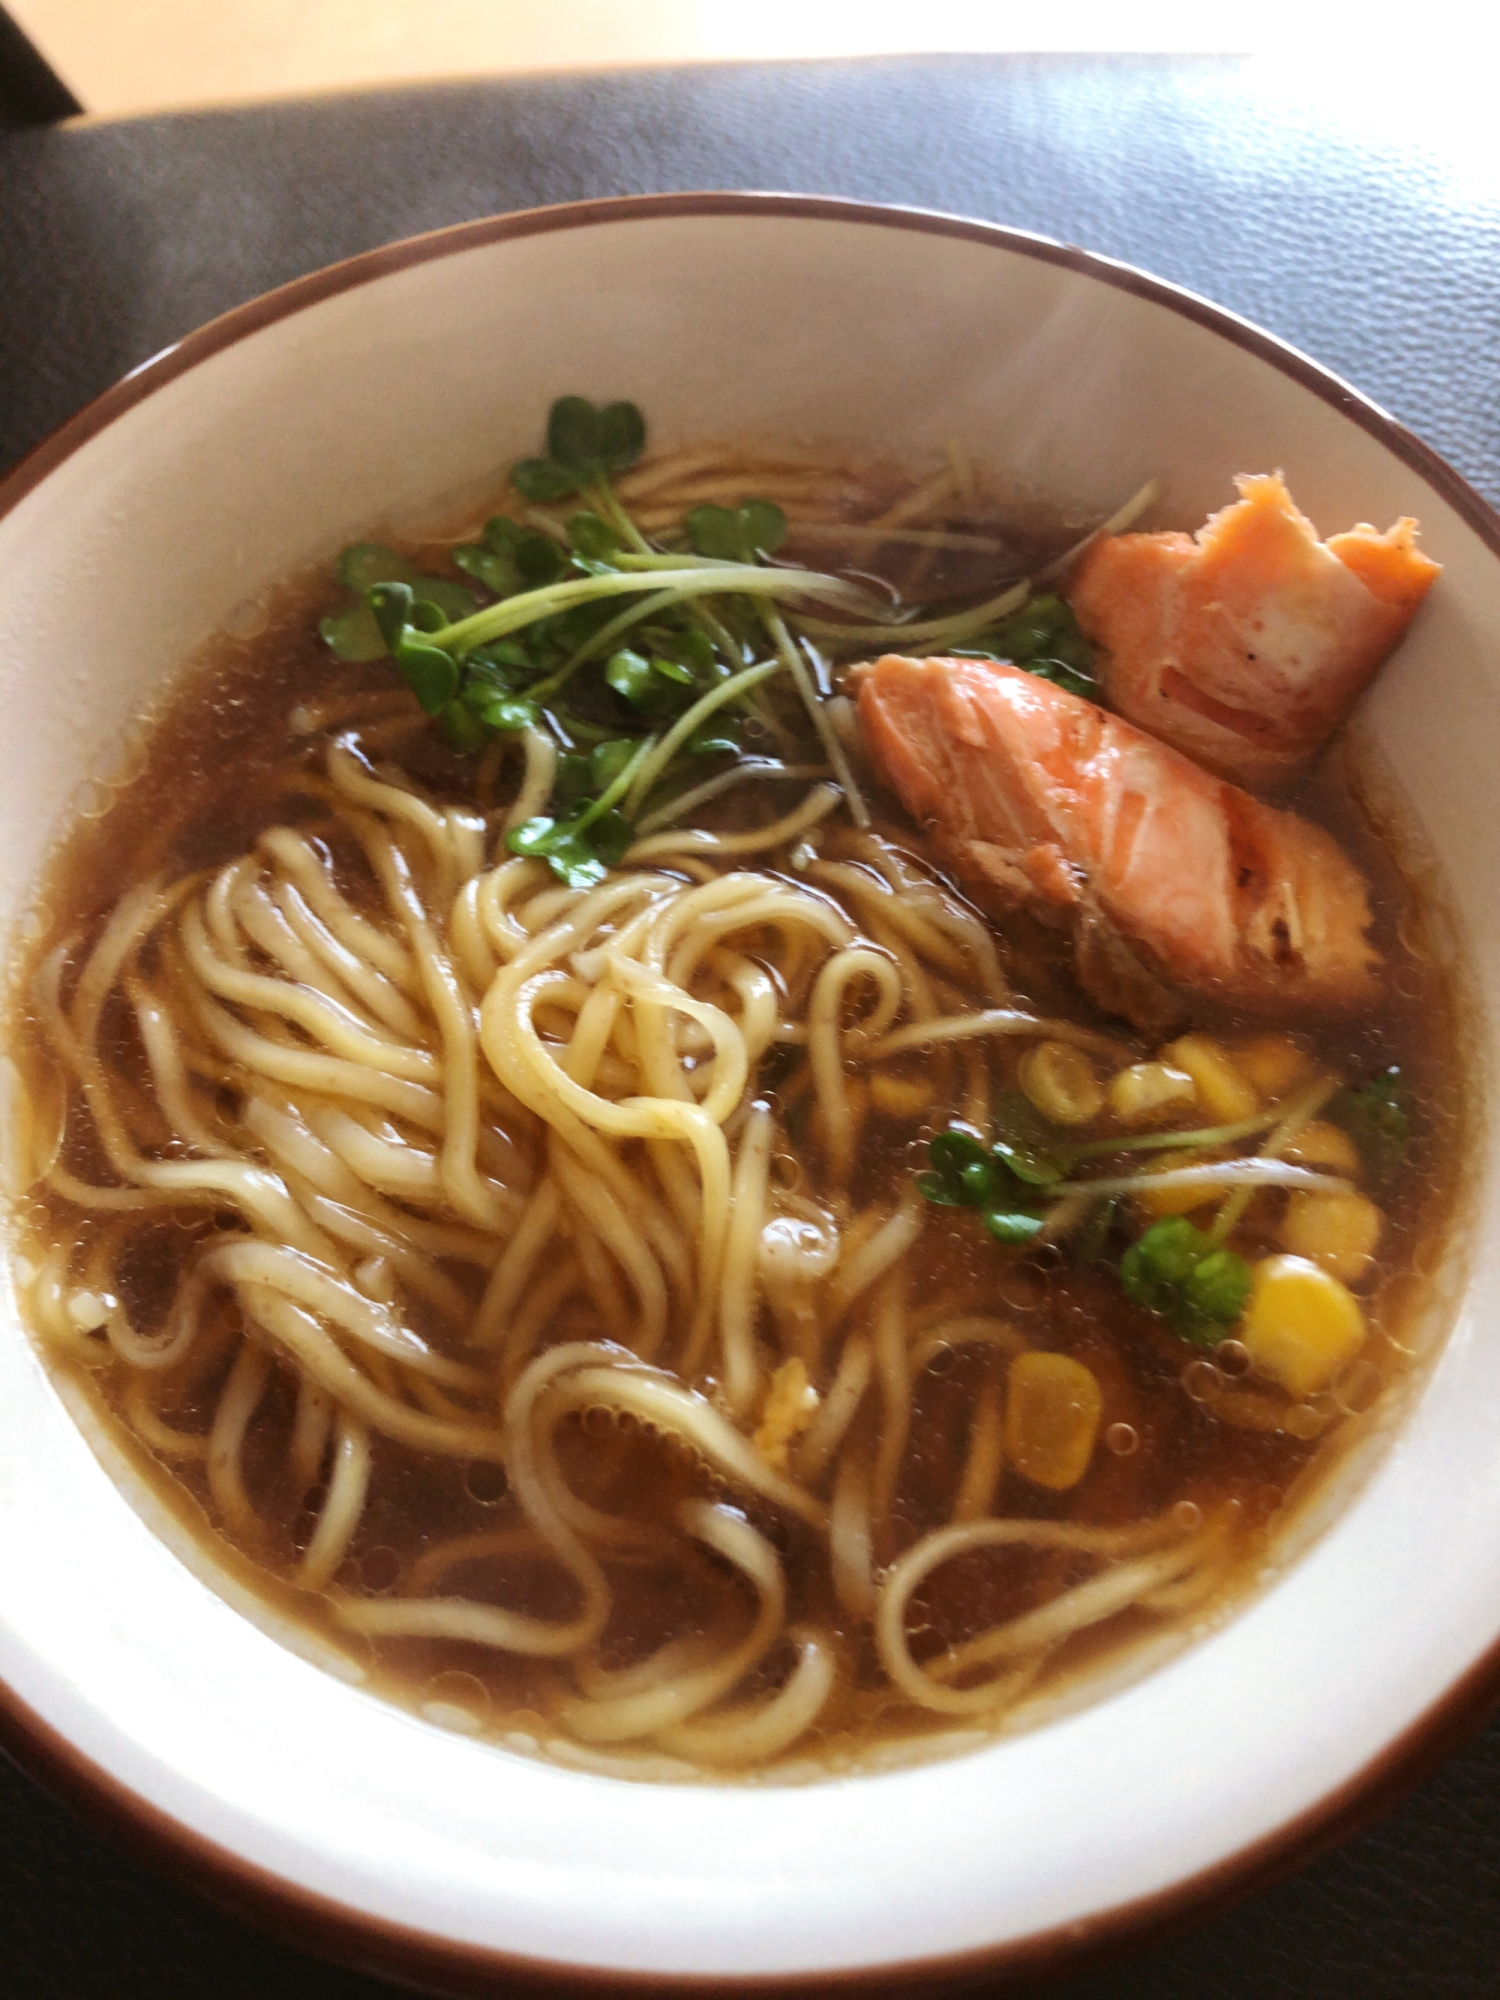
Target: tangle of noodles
{"x": 535, "y": 1273}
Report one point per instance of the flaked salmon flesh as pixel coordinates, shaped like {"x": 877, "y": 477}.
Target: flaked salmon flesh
{"x": 1246, "y": 644}
{"x": 1039, "y": 798}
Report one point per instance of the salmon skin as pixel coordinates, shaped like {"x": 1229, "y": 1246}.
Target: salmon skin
{"x": 1246, "y": 644}
{"x": 1173, "y": 881}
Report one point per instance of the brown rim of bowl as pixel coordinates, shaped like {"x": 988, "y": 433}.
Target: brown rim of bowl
{"x": 338, "y": 1931}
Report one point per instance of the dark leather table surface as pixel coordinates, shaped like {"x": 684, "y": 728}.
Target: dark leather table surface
{"x": 1320, "y": 213}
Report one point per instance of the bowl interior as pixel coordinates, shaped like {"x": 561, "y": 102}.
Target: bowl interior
{"x": 393, "y": 400}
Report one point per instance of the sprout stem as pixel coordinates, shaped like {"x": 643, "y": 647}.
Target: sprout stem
{"x": 1289, "y": 1121}
{"x": 769, "y": 769}
{"x": 601, "y": 642}
{"x": 650, "y": 768}
{"x": 827, "y": 734}
{"x": 1204, "y": 1135}
{"x": 1144, "y": 497}
{"x": 617, "y": 786}
{"x": 512, "y": 613}
{"x": 604, "y": 501}
{"x": 954, "y": 628}
{"x": 1246, "y": 1173}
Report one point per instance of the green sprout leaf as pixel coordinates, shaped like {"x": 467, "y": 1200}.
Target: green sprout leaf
{"x": 591, "y": 535}
{"x": 539, "y": 560}
{"x": 425, "y": 616}
{"x": 573, "y": 434}
{"x": 507, "y": 655}
{"x": 431, "y": 674}
{"x": 1156, "y": 1267}
{"x": 532, "y": 836}
{"x": 572, "y": 782}
{"x": 630, "y": 675}
{"x": 673, "y": 671}
{"x": 493, "y": 560}
{"x": 968, "y": 1174}
{"x": 495, "y": 570}
{"x": 1217, "y": 1287}
{"x": 1011, "y": 1225}
{"x": 764, "y": 526}
{"x": 611, "y": 834}
{"x": 740, "y": 534}
{"x": 715, "y": 531}
{"x": 506, "y": 712}
{"x": 391, "y": 604}
{"x": 352, "y": 634}
{"x": 1043, "y": 637}
{"x": 621, "y": 436}
{"x": 955, "y": 1149}
{"x": 716, "y": 738}
{"x": 940, "y": 1191}
{"x": 608, "y": 759}
{"x": 584, "y": 446}
{"x": 569, "y": 854}
{"x": 1377, "y": 1118}
{"x": 542, "y": 481}
{"x": 498, "y": 670}
{"x": 690, "y": 647}
{"x": 1088, "y": 1246}
{"x": 452, "y": 599}
{"x": 462, "y": 727}
{"x": 366, "y": 563}
{"x": 1175, "y": 1270}
{"x": 502, "y": 534}
{"x": 1029, "y": 1146}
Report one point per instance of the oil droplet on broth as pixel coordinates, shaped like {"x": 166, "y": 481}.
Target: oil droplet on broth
{"x": 1202, "y": 1381}
{"x": 1356, "y": 1387}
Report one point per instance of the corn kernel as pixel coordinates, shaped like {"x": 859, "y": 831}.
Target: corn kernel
{"x": 791, "y": 1402}
{"x": 1052, "y": 1412}
{"x": 900, "y": 1096}
{"x": 1274, "y": 1064}
{"x": 1148, "y": 1091}
{"x": 1157, "y": 1202}
{"x": 1225, "y": 1094}
{"x": 1327, "y": 1147}
{"x": 1338, "y": 1231}
{"x": 1061, "y": 1083}
{"x": 1300, "y": 1324}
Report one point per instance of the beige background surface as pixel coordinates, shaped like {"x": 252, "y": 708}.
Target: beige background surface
{"x": 138, "y": 55}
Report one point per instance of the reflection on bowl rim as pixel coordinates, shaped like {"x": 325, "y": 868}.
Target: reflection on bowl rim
{"x": 315, "y": 1922}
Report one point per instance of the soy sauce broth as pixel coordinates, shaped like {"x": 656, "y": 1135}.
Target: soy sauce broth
{"x": 230, "y": 752}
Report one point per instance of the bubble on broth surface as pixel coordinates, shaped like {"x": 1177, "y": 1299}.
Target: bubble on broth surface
{"x": 485, "y": 1482}
{"x": 379, "y": 1569}
{"x": 1202, "y": 1381}
{"x": 1355, "y": 1388}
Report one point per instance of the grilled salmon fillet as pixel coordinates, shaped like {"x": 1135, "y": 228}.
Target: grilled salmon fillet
{"x": 1042, "y": 799}
{"x": 1246, "y": 644}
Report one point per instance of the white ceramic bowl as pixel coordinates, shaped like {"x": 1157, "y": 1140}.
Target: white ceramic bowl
{"x": 371, "y": 390}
